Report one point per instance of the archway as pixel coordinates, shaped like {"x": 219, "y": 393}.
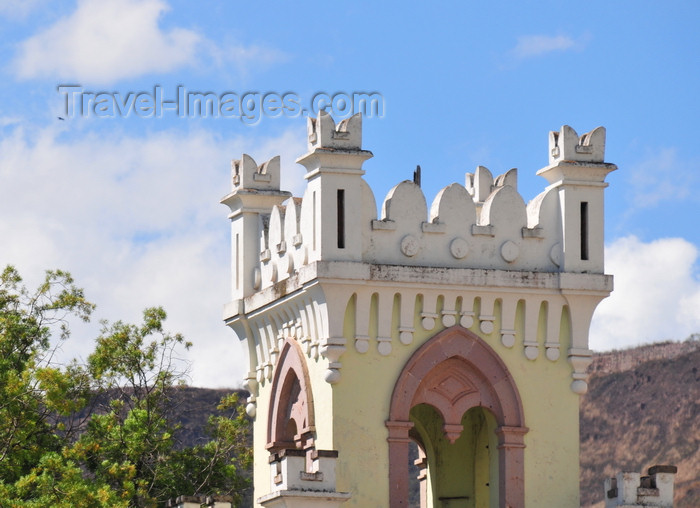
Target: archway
{"x": 291, "y": 416}
{"x": 457, "y": 382}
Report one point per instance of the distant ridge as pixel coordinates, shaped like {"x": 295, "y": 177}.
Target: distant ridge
{"x": 620, "y": 360}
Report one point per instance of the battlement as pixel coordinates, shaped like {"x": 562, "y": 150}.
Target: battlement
{"x": 247, "y": 174}
{"x": 566, "y": 145}
{"x": 323, "y": 132}
{"x": 301, "y": 481}
{"x": 630, "y": 490}
{"x": 483, "y": 224}
{"x": 481, "y": 183}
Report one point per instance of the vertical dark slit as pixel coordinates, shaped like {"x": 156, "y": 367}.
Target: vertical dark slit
{"x": 584, "y": 230}
{"x": 341, "y": 218}
{"x": 238, "y": 260}
{"x": 313, "y": 221}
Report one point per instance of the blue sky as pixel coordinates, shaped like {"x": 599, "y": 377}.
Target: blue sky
{"x": 130, "y": 206}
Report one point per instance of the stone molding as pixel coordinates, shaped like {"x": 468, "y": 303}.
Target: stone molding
{"x": 312, "y": 306}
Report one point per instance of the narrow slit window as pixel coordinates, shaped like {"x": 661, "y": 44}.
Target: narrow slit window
{"x": 584, "y": 231}
{"x": 341, "y": 218}
{"x": 313, "y": 221}
{"x": 238, "y": 260}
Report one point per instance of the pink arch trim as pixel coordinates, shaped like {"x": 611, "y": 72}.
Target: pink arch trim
{"x": 291, "y": 400}
{"x": 465, "y": 359}
{"x": 453, "y": 372}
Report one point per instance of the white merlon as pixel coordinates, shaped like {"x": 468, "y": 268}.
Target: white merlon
{"x": 631, "y": 490}
{"x": 566, "y": 145}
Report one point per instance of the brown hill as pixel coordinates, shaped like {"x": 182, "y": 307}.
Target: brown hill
{"x": 643, "y": 408}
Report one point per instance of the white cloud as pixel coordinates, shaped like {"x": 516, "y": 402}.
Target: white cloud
{"x": 529, "y": 46}
{"x": 106, "y": 41}
{"x": 656, "y": 296}
{"x": 137, "y": 221}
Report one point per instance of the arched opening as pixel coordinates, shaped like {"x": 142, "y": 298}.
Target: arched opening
{"x": 456, "y": 399}
{"x": 291, "y": 416}
{"x": 459, "y": 474}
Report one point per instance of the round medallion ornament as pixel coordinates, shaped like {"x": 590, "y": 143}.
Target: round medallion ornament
{"x": 410, "y": 245}
{"x": 555, "y": 254}
{"x": 459, "y": 248}
{"x": 510, "y": 251}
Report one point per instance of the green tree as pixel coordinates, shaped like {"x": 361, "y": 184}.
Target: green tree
{"x": 33, "y": 394}
{"x": 101, "y": 433}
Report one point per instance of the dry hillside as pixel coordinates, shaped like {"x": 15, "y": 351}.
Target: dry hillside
{"x": 643, "y": 408}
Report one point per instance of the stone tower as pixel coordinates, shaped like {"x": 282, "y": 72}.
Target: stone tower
{"x": 462, "y": 328}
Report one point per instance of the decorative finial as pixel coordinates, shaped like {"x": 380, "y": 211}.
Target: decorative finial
{"x": 416, "y": 176}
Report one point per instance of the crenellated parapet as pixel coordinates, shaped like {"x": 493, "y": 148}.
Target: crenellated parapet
{"x": 296, "y": 484}
{"x": 523, "y": 275}
{"x": 632, "y": 490}
{"x": 464, "y": 227}
{"x": 484, "y": 224}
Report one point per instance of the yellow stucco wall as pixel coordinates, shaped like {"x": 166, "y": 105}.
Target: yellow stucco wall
{"x": 351, "y": 415}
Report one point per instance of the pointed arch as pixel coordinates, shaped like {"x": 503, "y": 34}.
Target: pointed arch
{"x": 291, "y": 416}
{"x": 454, "y": 372}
